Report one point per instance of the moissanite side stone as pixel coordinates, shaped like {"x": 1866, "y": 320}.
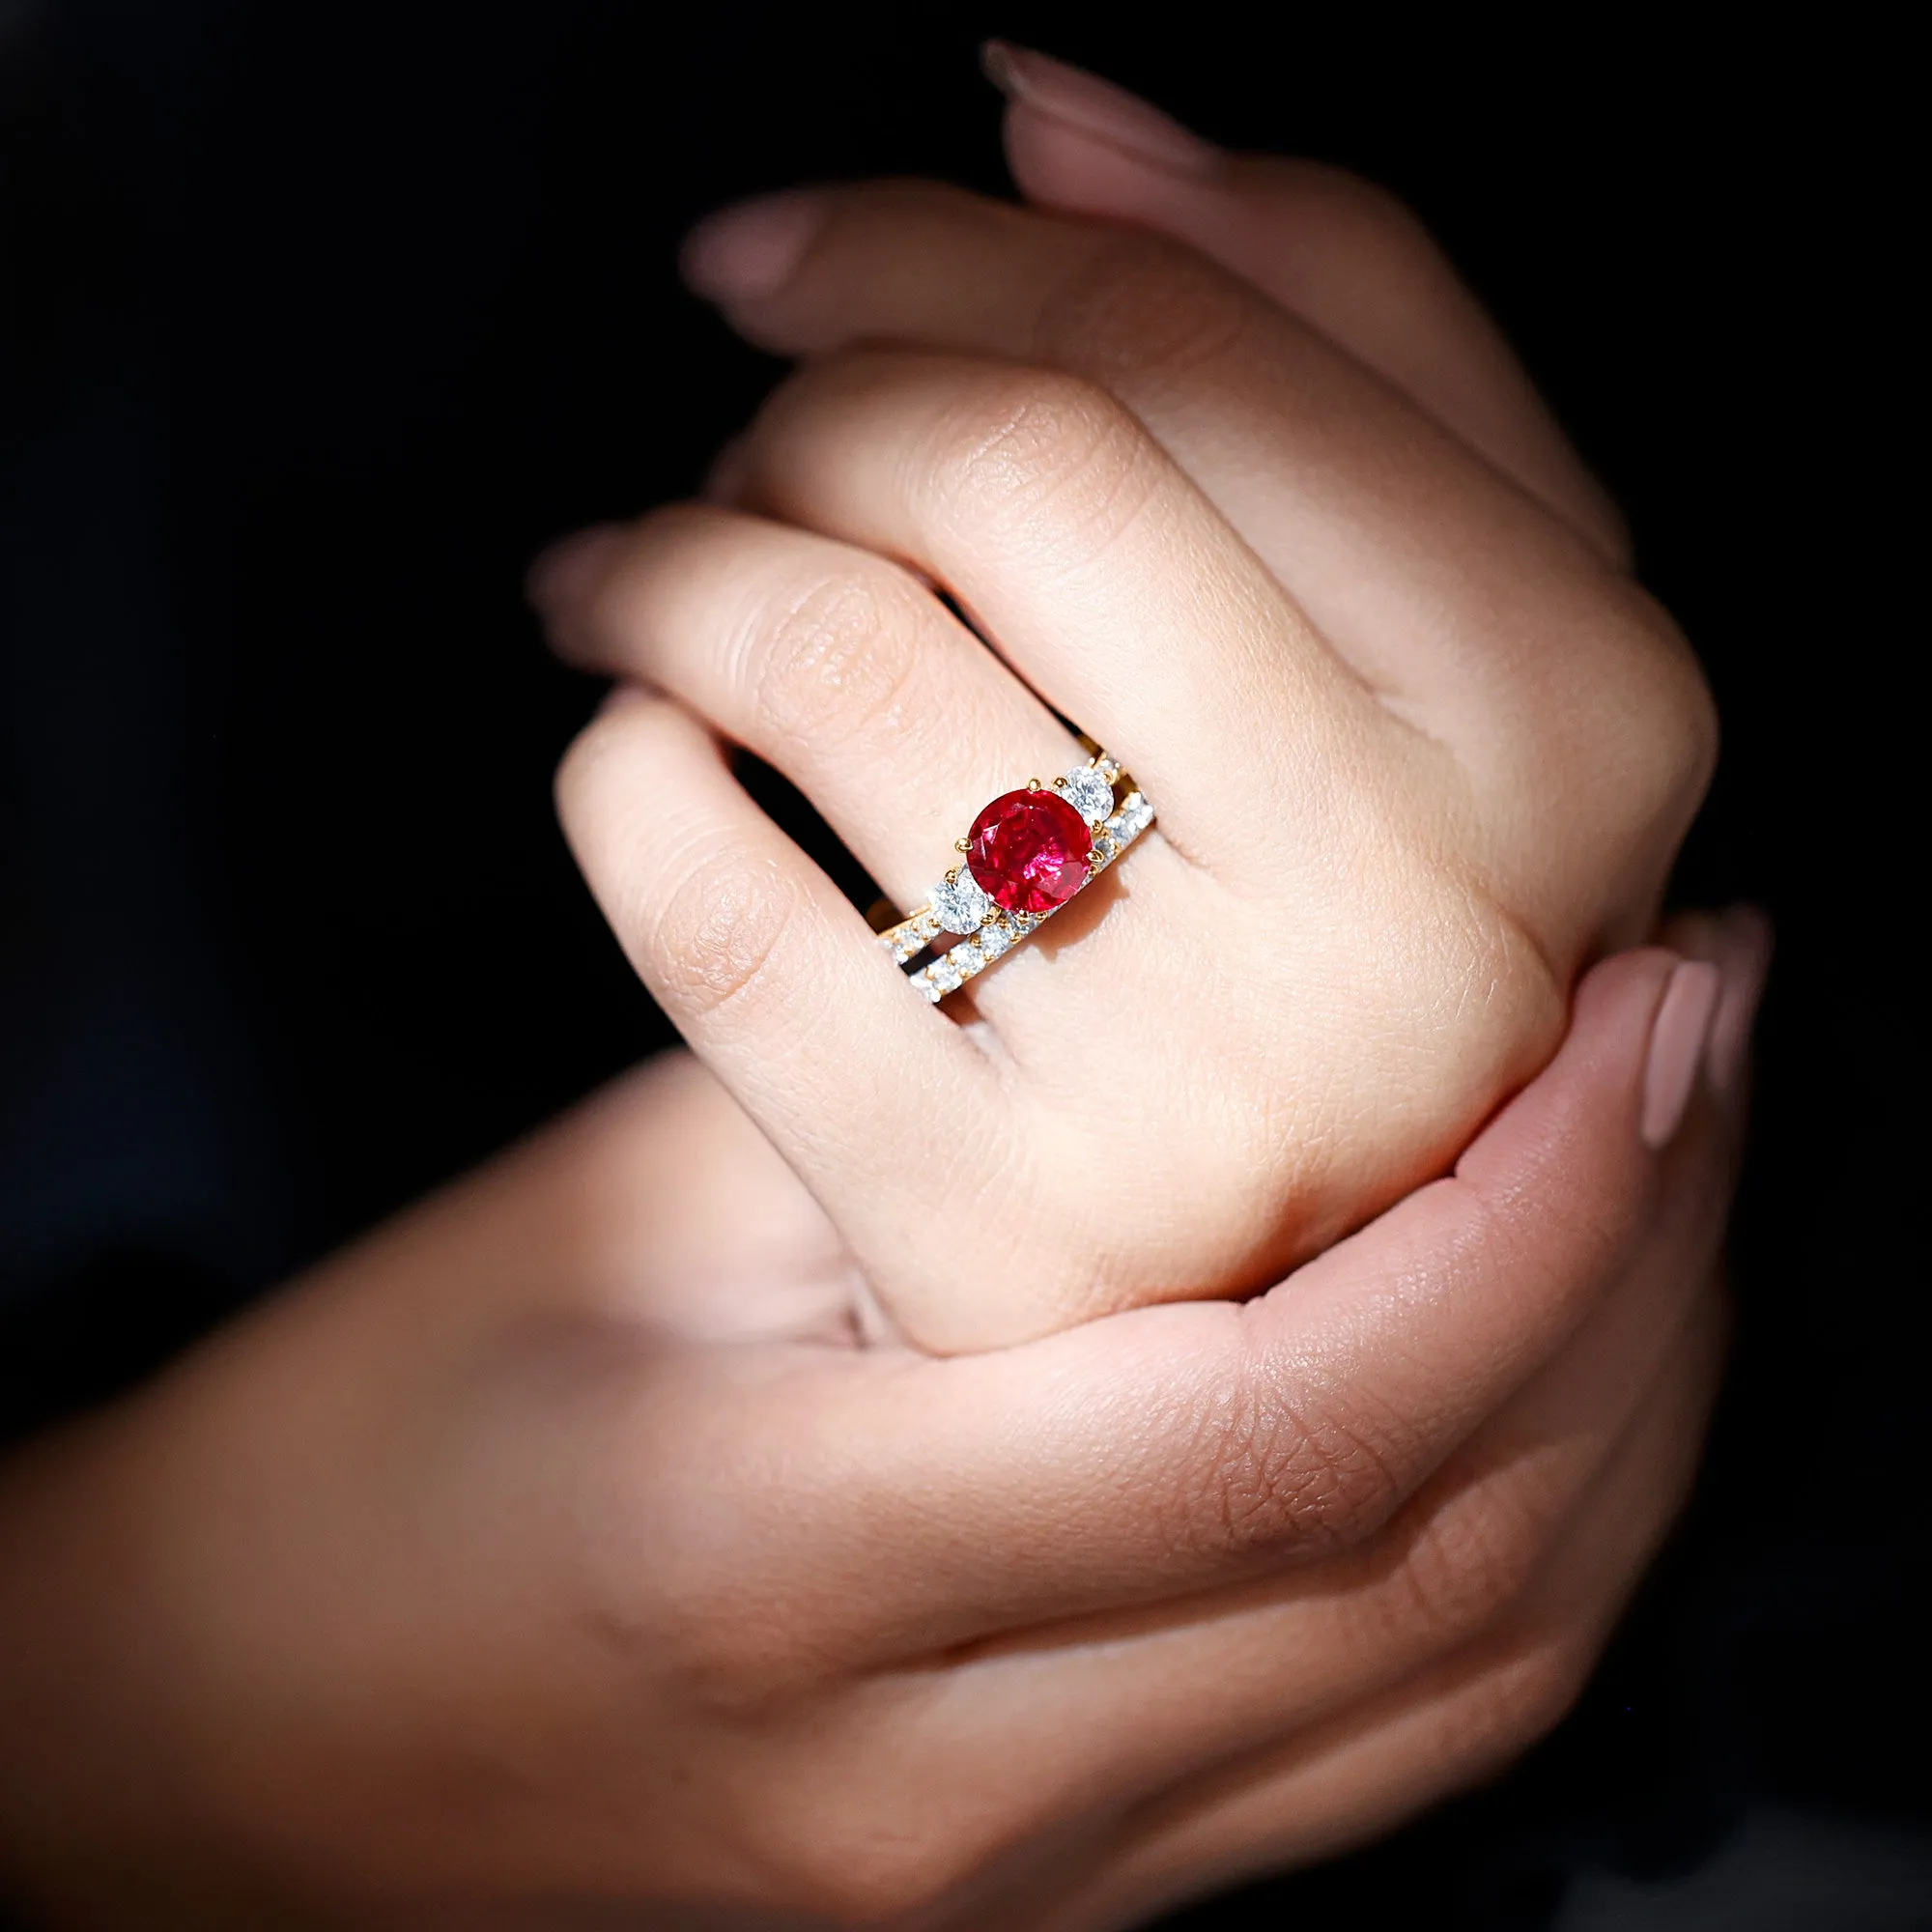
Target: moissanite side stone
{"x": 1090, "y": 794}
{"x": 961, "y": 903}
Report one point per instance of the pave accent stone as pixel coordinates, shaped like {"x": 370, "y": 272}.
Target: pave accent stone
{"x": 911, "y": 935}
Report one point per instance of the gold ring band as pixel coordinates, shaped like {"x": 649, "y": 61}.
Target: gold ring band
{"x": 1031, "y": 852}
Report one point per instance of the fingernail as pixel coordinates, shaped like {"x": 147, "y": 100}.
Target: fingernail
{"x": 1096, "y": 108}
{"x": 744, "y": 253}
{"x": 565, "y": 574}
{"x": 1677, "y": 1037}
{"x": 1745, "y": 949}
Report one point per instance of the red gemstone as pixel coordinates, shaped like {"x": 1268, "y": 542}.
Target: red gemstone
{"x": 1029, "y": 851}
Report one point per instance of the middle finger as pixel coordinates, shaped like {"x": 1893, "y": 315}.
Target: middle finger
{"x": 1443, "y": 581}
{"x": 1107, "y": 579}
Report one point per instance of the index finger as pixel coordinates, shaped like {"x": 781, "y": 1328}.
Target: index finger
{"x": 1173, "y": 1448}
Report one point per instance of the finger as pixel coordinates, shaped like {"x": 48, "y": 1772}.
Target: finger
{"x": 834, "y": 666}
{"x": 1334, "y": 249}
{"x": 1159, "y": 1690}
{"x": 1041, "y": 1746}
{"x": 1174, "y": 1448}
{"x": 1107, "y": 579}
{"x": 769, "y": 973}
{"x": 1447, "y": 588}
{"x": 1223, "y": 1671}
{"x": 1738, "y": 942}
{"x": 1319, "y": 1788}
{"x": 671, "y": 1208}
{"x": 1201, "y": 1692}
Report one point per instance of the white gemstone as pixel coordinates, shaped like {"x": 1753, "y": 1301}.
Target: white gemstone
{"x": 959, "y": 905}
{"x": 944, "y": 973}
{"x": 994, "y": 941}
{"x": 1088, "y": 793}
{"x": 966, "y": 959}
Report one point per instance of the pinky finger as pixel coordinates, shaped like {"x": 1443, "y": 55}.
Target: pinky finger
{"x": 763, "y": 965}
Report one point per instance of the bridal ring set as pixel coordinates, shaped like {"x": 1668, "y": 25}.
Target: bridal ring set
{"x": 1028, "y": 854}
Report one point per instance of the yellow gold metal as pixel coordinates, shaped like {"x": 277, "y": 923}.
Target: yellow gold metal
{"x": 921, "y": 930}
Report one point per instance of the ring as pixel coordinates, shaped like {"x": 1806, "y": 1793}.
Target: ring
{"x": 1028, "y": 854}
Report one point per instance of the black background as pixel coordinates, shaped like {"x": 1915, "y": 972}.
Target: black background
{"x": 318, "y": 322}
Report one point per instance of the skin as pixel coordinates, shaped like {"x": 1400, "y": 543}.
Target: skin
{"x": 558, "y": 1557}
{"x": 569, "y": 1555}
{"x": 1323, "y": 576}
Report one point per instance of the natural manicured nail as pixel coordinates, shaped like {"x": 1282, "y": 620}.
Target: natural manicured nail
{"x": 742, "y": 253}
{"x": 565, "y": 574}
{"x": 1677, "y": 1042}
{"x": 1096, "y": 108}
{"x": 1744, "y": 960}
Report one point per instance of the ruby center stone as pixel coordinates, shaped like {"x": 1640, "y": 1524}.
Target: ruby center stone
{"x": 1029, "y": 851}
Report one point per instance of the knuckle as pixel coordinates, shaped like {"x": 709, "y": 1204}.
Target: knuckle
{"x": 832, "y": 660}
{"x": 1464, "y": 1569}
{"x": 1675, "y": 718}
{"x": 1636, "y": 743}
{"x": 1529, "y": 1695}
{"x": 861, "y": 1857}
{"x": 1500, "y": 996}
{"x": 734, "y": 1667}
{"x": 1043, "y": 462}
{"x": 1135, "y": 306}
{"x": 1278, "y": 1472}
{"x": 712, "y": 938}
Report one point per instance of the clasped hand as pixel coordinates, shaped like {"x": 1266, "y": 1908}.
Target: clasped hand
{"x": 569, "y": 1553}
{"x": 1288, "y": 534}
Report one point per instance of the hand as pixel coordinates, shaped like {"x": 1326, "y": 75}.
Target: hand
{"x": 551, "y": 1561}
{"x": 1288, "y": 532}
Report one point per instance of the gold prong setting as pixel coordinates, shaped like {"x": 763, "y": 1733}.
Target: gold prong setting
{"x": 985, "y": 930}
